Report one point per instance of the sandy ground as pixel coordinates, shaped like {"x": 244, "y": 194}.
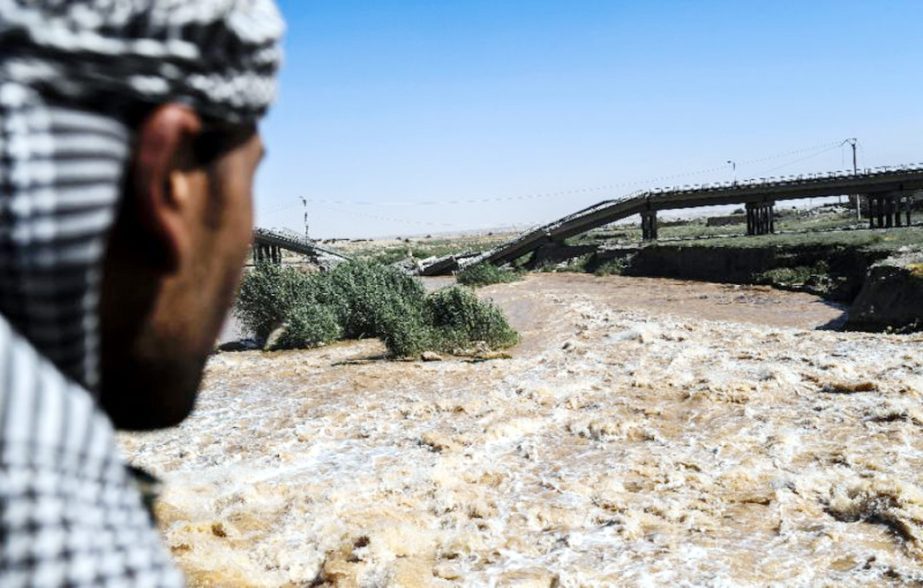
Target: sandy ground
{"x": 645, "y": 432}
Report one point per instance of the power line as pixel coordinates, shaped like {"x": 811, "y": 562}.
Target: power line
{"x": 325, "y": 203}
{"x": 388, "y": 218}
{"x": 607, "y": 187}
{"x": 790, "y": 153}
{"x": 812, "y": 156}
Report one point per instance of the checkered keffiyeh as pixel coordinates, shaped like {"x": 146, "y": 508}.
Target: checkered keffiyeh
{"x": 71, "y": 515}
{"x": 70, "y": 71}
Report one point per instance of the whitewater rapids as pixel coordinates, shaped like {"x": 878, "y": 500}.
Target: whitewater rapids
{"x": 645, "y": 432}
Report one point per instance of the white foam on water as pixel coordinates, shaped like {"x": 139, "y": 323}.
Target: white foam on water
{"x": 625, "y": 447}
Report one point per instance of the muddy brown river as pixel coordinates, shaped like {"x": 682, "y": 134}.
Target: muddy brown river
{"x": 646, "y": 432}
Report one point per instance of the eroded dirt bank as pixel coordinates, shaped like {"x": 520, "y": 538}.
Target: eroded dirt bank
{"x": 645, "y": 432}
{"x": 892, "y": 296}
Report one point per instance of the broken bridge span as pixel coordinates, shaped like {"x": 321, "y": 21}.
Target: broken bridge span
{"x": 268, "y": 245}
{"x": 889, "y": 192}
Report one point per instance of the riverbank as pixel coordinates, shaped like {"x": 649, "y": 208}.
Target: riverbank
{"x": 891, "y": 296}
{"x": 872, "y": 272}
{"x": 822, "y": 250}
{"x": 644, "y": 431}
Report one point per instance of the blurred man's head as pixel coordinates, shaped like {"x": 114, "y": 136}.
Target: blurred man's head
{"x": 174, "y": 261}
{"x": 127, "y": 154}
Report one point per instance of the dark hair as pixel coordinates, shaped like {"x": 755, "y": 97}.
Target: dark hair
{"x": 217, "y": 136}
{"x": 216, "y": 139}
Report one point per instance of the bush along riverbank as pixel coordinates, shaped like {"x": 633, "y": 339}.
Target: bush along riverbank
{"x": 878, "y": 275}
{"x": 289, "y": 309}
{"x": 485, "y": 274}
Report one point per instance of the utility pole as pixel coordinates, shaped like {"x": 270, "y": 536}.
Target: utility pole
{"x": 853, "y": 142}
{"x": 304, "y": 202}
{"x": 733, "y": 165}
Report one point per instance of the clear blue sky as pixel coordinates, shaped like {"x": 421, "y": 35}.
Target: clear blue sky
{"x": 389, "y": 102}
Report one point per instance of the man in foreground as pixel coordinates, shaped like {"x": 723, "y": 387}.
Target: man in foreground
{"x": 128, "y": 146}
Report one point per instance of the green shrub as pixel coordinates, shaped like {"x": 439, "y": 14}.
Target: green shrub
{"x": 371, "y": 298}
{"x": 578, "y": 264}
{"x": 309, "y": 326}
{"x": 268, "y": 296}
{"x": 359, "y": 299}
{"x": 614, "y": 267}
{"x": 407, "y": 337}
{"x": 461, "y": 320}
{"x": 799, "y": 274}
{"x": 483, "y": 274}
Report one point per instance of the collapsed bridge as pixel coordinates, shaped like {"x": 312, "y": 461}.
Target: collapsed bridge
{"x": 268, "y": 245}
{"x": 888, "y": 191}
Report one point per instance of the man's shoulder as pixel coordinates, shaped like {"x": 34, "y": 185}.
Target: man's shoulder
{"x": 69, "y": 511}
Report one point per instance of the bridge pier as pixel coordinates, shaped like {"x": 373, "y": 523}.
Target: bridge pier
{"x": 649, "y": 225}
{"x": 760, "y": 218}
{"x": 889, "y": 209}
{"x": 263, "y": 252}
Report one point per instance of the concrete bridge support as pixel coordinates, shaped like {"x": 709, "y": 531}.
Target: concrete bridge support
{"x": 760, "y": 218}
{"x": 263, "y": 252}
{"x": 649, "y": 225}
{"x": 890, "y": 209}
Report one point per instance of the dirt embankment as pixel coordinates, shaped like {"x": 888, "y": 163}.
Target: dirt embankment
{"x": 846, "y": 267}
{"x": 892, "y": 296}
{"x": 883, "y": 293}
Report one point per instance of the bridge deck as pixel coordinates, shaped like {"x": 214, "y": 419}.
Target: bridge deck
{"x": 763, "y": 190}
{"x": 295, "y": 244}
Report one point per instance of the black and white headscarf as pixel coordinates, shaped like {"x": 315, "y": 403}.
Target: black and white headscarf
{"x": 70, "y": 70}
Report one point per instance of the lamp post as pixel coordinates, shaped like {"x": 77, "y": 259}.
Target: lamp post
{"x": 733, "y": 165}
{"x": 853, "y": 142}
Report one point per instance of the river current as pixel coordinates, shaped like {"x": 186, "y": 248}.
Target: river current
{"x": 644, "y": 433}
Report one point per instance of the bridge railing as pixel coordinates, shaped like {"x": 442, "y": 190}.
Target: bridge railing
{"x": 790, "y": 180}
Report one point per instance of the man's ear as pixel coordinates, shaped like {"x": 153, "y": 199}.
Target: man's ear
{"x": 160, "y": 187}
